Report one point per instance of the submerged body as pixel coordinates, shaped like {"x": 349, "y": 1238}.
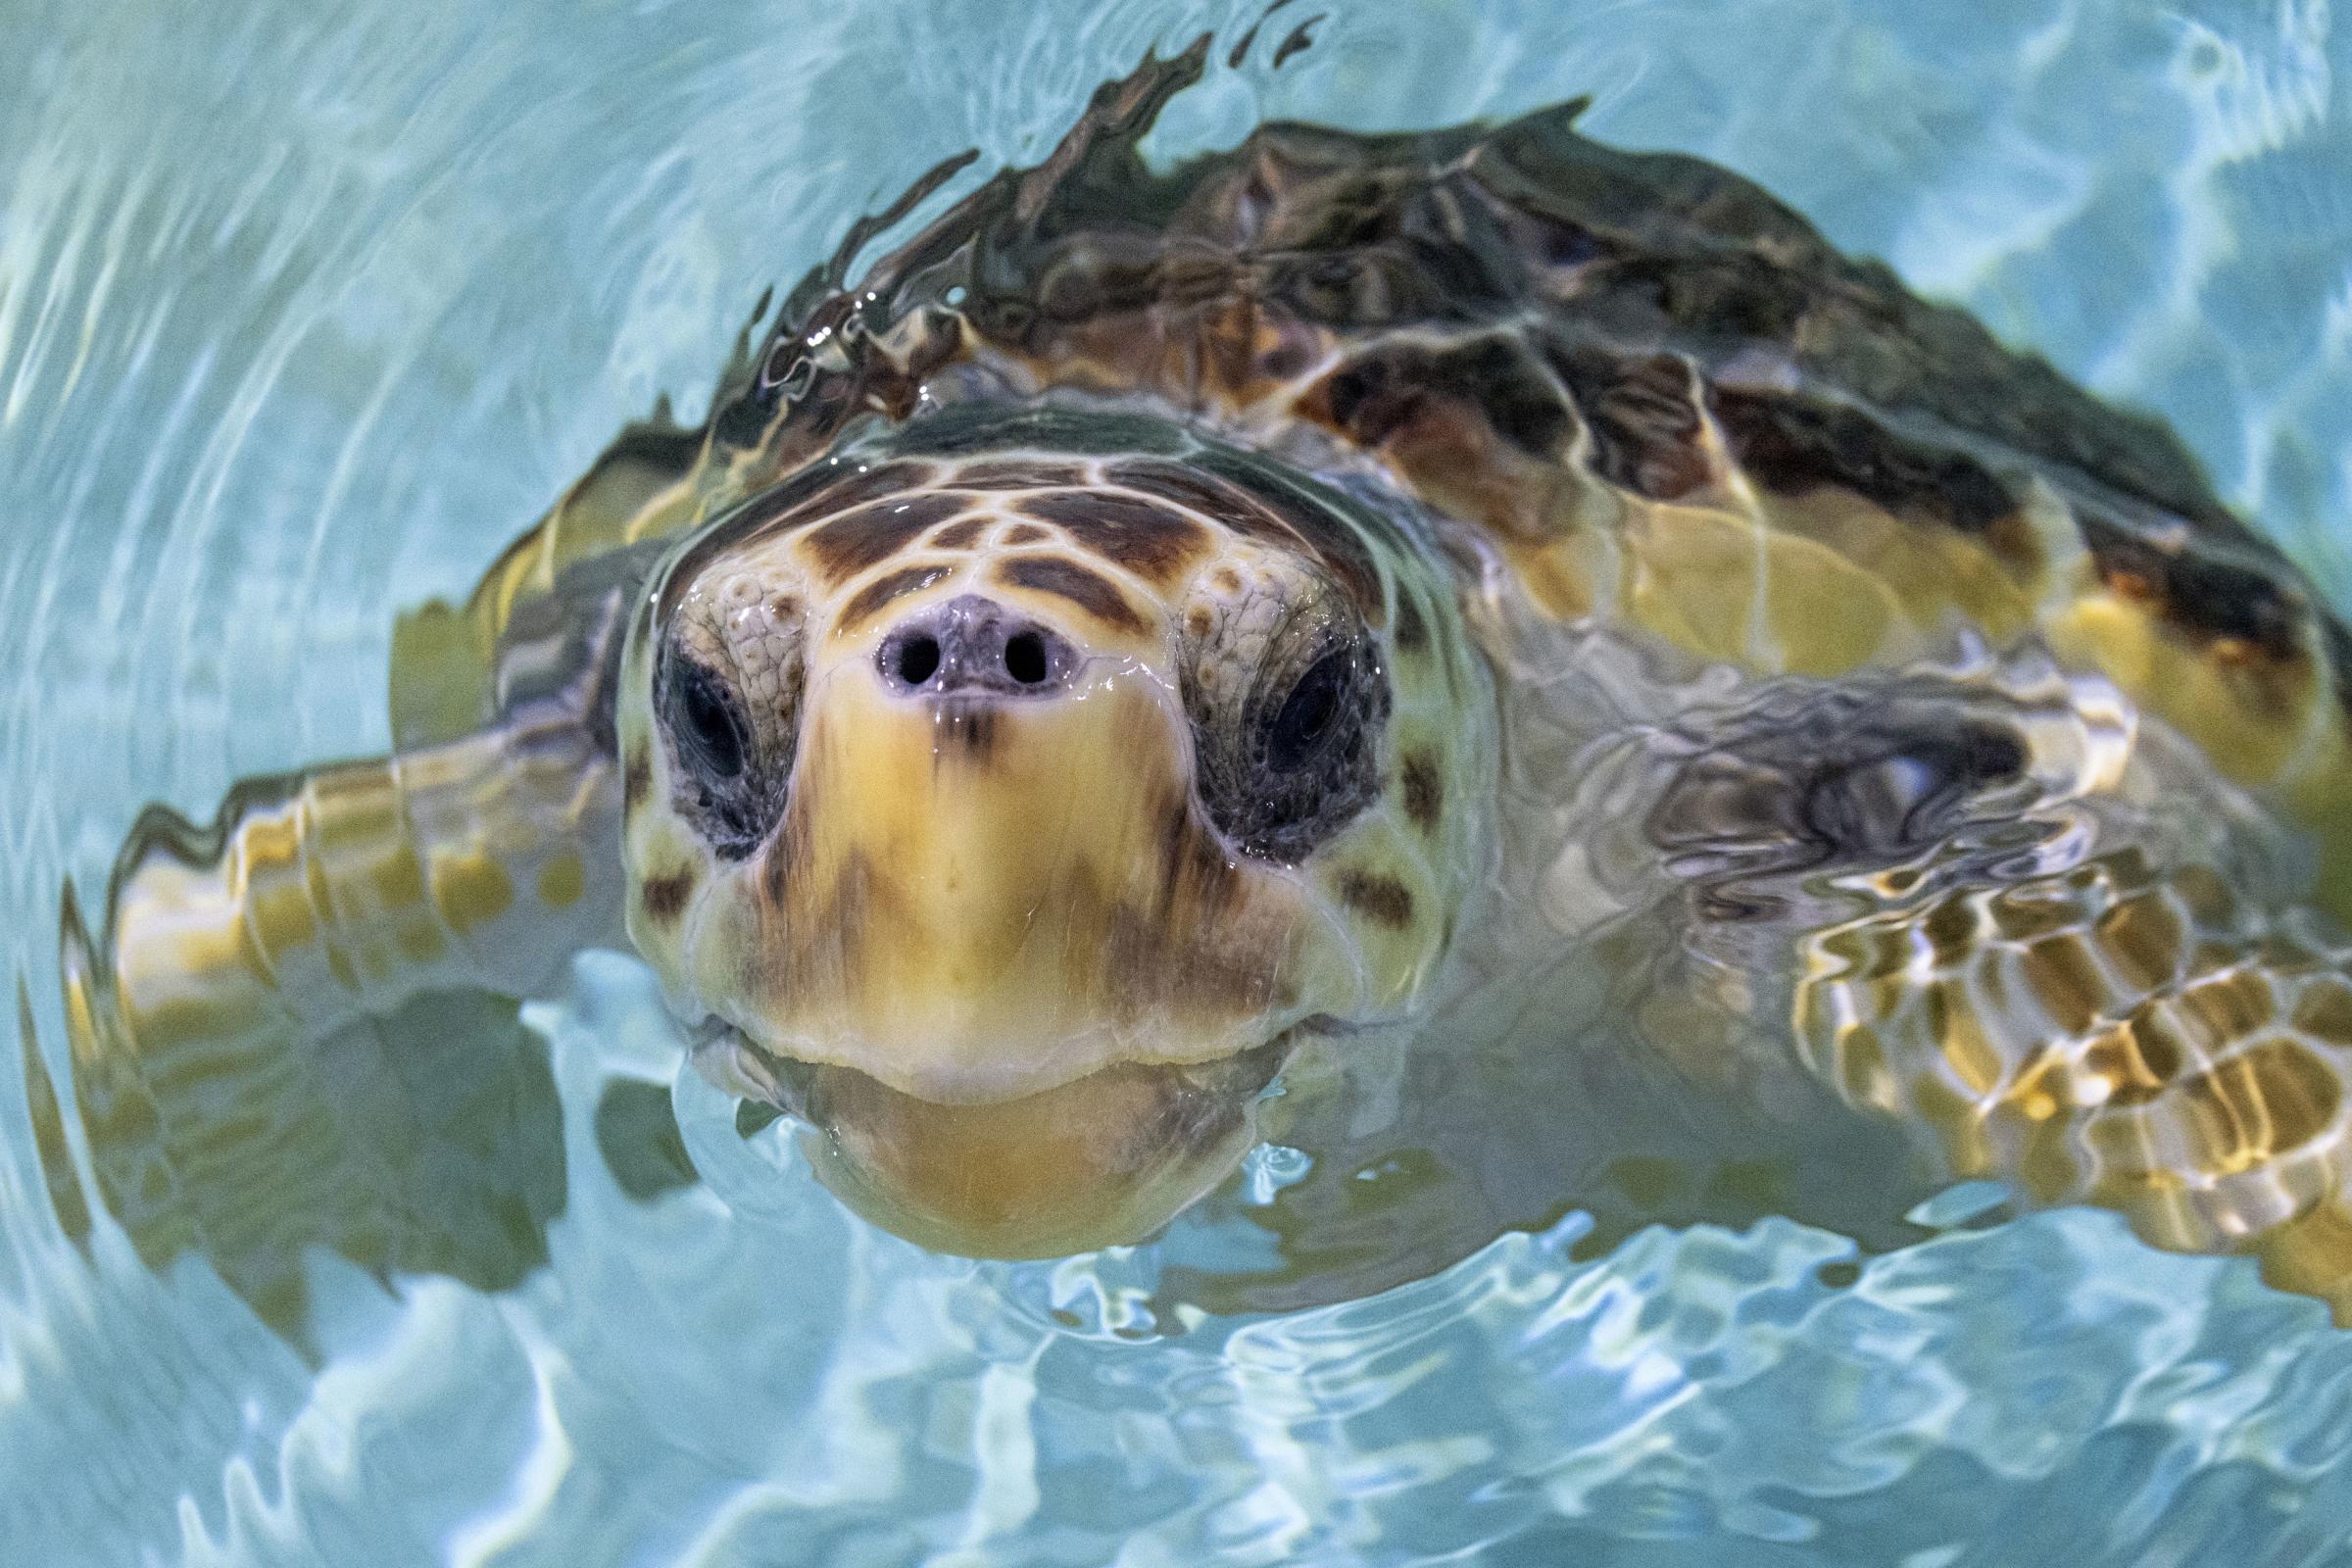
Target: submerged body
{"x": 1619, "y": 706}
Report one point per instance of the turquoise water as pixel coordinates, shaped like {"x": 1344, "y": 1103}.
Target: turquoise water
{"x": 303, "y": 313}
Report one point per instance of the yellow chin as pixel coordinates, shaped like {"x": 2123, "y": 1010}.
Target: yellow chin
{"x": 1106, "y": 1158}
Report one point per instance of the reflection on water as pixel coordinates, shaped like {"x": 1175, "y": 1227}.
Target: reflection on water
{"x": 300, "y": 320}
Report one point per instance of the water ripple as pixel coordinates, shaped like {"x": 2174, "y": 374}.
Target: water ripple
{"x": 304, "y": 310}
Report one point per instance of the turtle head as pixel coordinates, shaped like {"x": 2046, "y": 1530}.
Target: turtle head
{"x": 1006, "y": 808}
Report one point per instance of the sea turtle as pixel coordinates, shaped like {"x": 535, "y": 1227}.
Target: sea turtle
{"x": 1598, "y": 699}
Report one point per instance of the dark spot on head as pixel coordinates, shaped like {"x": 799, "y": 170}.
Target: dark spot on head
{"x": 1091, "y": 591}
{"x": 780, "y": 865}
{"x": 825, "y": 929}
{"x": 1424, "y": 790}
{"x": 1380, "y": 899}
{"x": 664, "y": 897}
{"x": 1144, "y": 537}
{"x": 854, "y": 541}
{"x": 636, "y": 778}
{"x": 1226, "y": 580}
{"x": 961, "y": 534}
{"x": 1198, "y": 621}
{"x": 1794, "y": 446}
{"x": 887, "y": 589}
{"x": 1412, "y": 632}
{"x": 1018, "y": 474}
{"x": 1026, "y": 533}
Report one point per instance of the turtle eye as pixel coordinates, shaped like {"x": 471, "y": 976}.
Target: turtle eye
{"x": 727, "y": 765}
{"x": 1308, "y": 716}
{"x": 709, "y": 723}
{"x": 1289, "y": 754}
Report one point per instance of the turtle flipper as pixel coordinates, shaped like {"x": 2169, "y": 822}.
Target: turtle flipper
{"x": 444, "y": 658}
{"x": 296, "y": 1026}
{"x": 2045, "y": 939}
{"x": 2116, "y": 1033}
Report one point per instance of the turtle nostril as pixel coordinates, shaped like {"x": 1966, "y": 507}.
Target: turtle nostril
{"x": 918, "y": 660}
{"x": 1025, "y": 657}
{"x": 969, "y": 646}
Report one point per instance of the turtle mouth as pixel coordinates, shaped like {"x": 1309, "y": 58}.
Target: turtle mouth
{"x": 1102, "y": 1159}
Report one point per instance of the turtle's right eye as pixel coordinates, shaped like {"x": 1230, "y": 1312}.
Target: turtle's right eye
{"x": 729, "y": 786}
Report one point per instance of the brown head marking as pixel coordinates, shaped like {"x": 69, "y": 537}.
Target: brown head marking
{"x": 872, "y": 534}
{"x": 1228, "y": 497}
{"x": 1146, "y": 538}
{"x": 884, "y": 590}
{"x": 1082, "y": 586}
{"x": 979, "y": 882}
{"x": 664, "y": 897}
{"x": 1377, "y": 897}
{"x": 636, "y": 777}
{"x": 961, "y": 534}
{"x": 1203, "y": 493}
{"x": 969, "y": 729}
{"x": 1412, "y": 632}
{"x": 1424, "y": 790}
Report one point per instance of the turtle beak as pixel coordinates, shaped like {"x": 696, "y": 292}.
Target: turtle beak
{"x": 1107, "y": 1158}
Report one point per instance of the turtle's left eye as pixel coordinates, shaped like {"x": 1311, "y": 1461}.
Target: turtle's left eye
{"x": 710, "y": 722}
{"x": 1288, "y": 750}
{"x": 1311, "y": 713}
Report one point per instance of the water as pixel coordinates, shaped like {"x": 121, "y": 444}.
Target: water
{"x": 301, "y": 316}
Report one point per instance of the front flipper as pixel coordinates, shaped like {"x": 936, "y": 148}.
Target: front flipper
{"x": 2050, "y": 943}
{"x": 296, "y": 1027}
{"x": 2118, "y": 1032}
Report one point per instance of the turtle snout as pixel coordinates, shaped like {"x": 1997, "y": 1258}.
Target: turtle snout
{"x": 973, "y": 644}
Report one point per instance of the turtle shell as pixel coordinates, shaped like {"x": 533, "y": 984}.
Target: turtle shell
{"x": 1648, "y": 391}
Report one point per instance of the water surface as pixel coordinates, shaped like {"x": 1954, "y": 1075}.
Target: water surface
{"x": 304, "y": 312}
